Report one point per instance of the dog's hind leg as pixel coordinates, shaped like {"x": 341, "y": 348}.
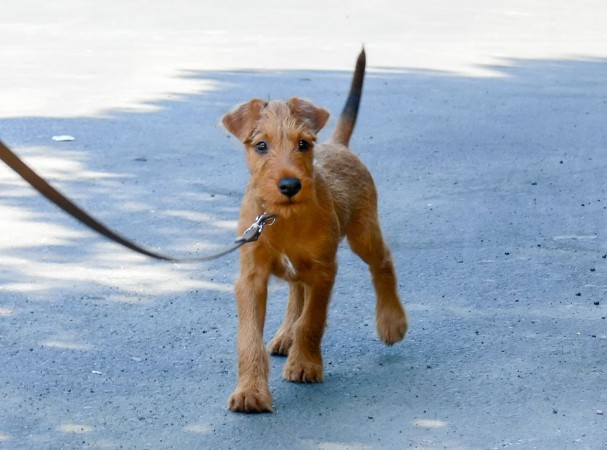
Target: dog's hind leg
{"x": 304, "y": 364}
{"x": 283, "y": 339}
{"x": 366, "y": 240}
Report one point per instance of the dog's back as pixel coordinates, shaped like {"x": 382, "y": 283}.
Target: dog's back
{"x": 348, "y": 180}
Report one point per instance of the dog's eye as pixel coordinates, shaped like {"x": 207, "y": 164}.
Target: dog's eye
{"x": 303, "y": 145}
{"x": 261, "y": 147}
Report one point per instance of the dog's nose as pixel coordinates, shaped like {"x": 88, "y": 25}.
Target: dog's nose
{"x": 289, "y": 186}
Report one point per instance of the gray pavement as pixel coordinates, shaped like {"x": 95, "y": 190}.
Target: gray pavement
{"x": 485, "y": 130}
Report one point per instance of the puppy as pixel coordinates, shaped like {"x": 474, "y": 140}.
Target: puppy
{"x": 318, "y": 194}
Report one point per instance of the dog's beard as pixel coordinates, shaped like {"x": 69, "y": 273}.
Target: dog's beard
{"x": 284, "y": 207}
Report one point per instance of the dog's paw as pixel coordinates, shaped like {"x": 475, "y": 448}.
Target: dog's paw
{"x": 302, "y": 371}
{"x": 392, "y": 325}
{"x": 280, "y": 344}
{"x": 250, "y": 400}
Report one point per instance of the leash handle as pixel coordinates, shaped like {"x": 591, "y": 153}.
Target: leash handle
{"x": 56, "y": 197}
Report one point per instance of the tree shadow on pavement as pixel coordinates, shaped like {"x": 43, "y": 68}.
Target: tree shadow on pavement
{"x": 492, "y": 197}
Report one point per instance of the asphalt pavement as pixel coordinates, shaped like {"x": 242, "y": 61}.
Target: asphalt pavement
{"x": 484, "y": 127}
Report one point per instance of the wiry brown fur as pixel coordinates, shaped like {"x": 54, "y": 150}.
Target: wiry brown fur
{"x": 337, "y": 198}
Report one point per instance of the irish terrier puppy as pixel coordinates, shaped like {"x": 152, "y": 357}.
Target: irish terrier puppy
{"x": 318, "y": 193}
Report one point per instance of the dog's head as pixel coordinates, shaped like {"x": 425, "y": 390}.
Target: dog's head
{"x": 279, "y": 139}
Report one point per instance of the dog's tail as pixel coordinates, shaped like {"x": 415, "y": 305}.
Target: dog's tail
{"x": 347, "y": 119}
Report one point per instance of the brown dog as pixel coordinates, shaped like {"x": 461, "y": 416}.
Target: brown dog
{"x": 318, "y": 193}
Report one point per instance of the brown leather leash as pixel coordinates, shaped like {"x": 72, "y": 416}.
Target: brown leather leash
{"x": 43, "y": 187}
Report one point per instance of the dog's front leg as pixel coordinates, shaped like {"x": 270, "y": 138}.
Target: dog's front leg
{"x": 252, "y": 393}
{"x": 304, "y": 363}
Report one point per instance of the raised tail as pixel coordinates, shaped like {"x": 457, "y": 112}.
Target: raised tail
{"x": 347, "y": 119}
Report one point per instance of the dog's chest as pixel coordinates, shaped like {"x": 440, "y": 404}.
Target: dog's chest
{"x": 287, "y": 266}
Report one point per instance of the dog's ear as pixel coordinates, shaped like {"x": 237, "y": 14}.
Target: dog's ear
{"x": 242, "y": 119}
{"x": 307, "y": 111}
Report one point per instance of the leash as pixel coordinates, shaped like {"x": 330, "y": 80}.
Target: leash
{"x": 251, "y": 234}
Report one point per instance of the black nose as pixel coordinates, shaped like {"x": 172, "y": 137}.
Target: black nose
{"x": 289, "y": 186}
